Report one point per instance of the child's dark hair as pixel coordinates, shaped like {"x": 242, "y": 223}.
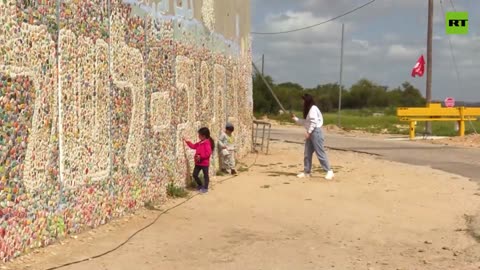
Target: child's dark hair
{"x": 229, "y": 127}
{"x": 206, "y": 132}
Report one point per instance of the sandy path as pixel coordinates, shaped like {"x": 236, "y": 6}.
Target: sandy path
{"x": 375, "y": 215}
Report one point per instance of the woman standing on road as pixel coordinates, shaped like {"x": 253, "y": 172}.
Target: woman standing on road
{"x": 313, "y": 122}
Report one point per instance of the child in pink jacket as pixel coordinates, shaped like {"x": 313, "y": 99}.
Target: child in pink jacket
{"x": 203, "y": 151}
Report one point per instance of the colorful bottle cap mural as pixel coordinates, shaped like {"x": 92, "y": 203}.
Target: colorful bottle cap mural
{"x": 95, "y": 96}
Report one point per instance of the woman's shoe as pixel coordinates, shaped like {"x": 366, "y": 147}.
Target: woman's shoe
{"x": 303, "y": 175}
{"x": 329, "y": 175}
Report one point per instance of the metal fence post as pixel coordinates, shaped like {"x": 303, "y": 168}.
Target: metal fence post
{"x": 268, "y": 138}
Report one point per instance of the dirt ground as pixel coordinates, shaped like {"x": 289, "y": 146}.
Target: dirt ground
{"x": 375, "y": 215}
{"x": 472, "y": 140}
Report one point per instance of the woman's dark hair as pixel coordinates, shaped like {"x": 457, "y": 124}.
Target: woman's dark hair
{"x": 206, "y": 132}
{"x": 308, "y": 102}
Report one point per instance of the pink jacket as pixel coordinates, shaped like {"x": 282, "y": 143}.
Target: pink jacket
{"x": 203, "y": 149}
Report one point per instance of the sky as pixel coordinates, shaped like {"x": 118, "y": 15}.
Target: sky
{"x": 382, "y": 42}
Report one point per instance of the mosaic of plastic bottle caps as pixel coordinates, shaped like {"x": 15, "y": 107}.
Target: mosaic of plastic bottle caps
{"x": 102, "y": 134}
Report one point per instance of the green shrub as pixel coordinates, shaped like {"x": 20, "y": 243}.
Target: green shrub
{"x": 175, "y": 191}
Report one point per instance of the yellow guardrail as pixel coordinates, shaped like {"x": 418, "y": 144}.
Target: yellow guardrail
{"x": 435, "y": 112}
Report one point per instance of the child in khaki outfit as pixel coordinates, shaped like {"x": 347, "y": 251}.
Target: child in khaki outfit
{"x": 226, "y": 143}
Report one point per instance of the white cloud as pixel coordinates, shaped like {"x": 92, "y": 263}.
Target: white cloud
{"x": 294, "y": 20}
{"x": 401, "y": 52}
{"x": 391, "y": 37}
{"x": 293, "y": 47}
{"x": 361, "y": 49}
{"x": 362, "y": 43}
{"x": 465, "y": 41}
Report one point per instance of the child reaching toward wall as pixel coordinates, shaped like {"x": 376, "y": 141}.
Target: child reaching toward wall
{"x": 226, "y": 144}
{"x": 203, "y": 152}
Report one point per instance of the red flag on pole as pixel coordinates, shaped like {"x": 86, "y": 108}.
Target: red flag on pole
{"x": 419, "y": 67}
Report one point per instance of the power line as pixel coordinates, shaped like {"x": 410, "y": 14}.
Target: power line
{"x": 315, "y": 25}
{"x": 453, "y": 6}
{"x": 258, "y": 60}
{"x": 451, "y": 49}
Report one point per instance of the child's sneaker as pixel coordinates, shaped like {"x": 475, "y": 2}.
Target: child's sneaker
{"x": 234, "y": 172}
{"x": 203, "y": 190}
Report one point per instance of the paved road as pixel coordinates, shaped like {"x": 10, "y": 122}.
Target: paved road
{"x": 458, "y": 160}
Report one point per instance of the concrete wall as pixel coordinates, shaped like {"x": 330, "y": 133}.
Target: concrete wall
{"x": 95, "y": 97}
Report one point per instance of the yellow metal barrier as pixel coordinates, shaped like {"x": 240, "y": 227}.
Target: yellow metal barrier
{"x": 435, "y": 112}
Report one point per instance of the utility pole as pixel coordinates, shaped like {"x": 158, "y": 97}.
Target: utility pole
{"x": 263, "y": 63}
{"x": 340, "y": 82}
{"x": 428, "y": 125}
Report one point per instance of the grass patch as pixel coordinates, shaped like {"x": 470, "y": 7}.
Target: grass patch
{"x": 243, "y": 169}
{"x": 382, "y": 121}
{"x": 149, "y": 205}
{"x": 277, "y": 173}
{"x": 175, "y": 191}
{"x": 372, "y": 124}
{"x": 220, "y": 173}
{"x": 473, "y": 224}
{"x": 334, "y": 168}
{"x": 192, "y": 185}
{"x": 261, "y": 165}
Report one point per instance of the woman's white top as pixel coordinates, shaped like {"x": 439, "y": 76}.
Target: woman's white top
{"x": 314, "y": 119}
